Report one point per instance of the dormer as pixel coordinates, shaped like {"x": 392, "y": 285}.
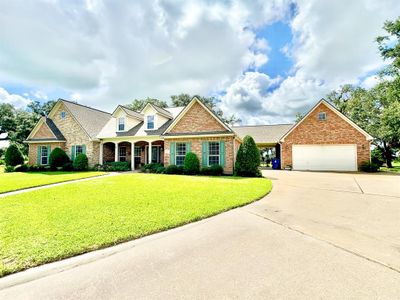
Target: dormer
{"x": 155, "y": 116}
{"x": 126, "y": 118}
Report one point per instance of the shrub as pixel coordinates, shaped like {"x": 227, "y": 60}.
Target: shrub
{"x": 13, "y": 156}
{"x": 2, "y": 151}
{"x": 22, "y": 168}
{"x": 377, "y": 156}
{"x": 151, "y": 168}
{"x": 160, "y": 170}
{"x": 369, "y": 167}
{"x": 35, "y": 168}
{"x": 68, "y": 166}
{"x": 117, "y": 166}
{"x": 9, "y": 169}
{"x": 191, "y": 164}
{"x": 248, "y": 159}
{"x": 2, "y": 162}
{"x": 214, "y": 170}
{"x": 58, "y": 158}
{"x": 174, "y": 169}
{"x": 81, "y": 162}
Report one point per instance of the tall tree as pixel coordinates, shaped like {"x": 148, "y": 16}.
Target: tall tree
{"x": 389, "y": 46}
{"x": 139, "y": 104}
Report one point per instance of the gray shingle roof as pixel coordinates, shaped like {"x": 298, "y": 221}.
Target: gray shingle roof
{"x": 162, "y": 110}
{"x": 132, "y": 113}
{"x": 55, "y": 129}
{"x": 263, "y": 134}
{"x": 91, "y": 119}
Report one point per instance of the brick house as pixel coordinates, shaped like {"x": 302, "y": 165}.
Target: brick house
{"x": 165, "y": 135}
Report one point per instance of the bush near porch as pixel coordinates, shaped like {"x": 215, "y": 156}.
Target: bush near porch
{"x": 54, "y": 223}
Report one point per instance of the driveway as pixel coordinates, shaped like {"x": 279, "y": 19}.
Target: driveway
{"x": 317, "y": 235}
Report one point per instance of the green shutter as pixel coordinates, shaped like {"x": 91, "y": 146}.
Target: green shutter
{"x": 222, "y": 153}
{"x": 84, "y": 149}
{"x": 72, "y": 152}
{"x": 204, "y": 154}
{"x": 188, "y": 147}
{"x": 39, "y": 154}
{"x": 172, "y": 153}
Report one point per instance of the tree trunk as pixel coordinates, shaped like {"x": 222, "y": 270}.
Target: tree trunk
{"x": 388, "y": 155}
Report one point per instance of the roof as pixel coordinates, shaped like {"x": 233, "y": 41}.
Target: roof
{"x": 263, "y": 134}
{"x": 57, "y": 133}
{"x": 132, "y": 113}
{"x": 162, "y": 110}
{"x": 91, "y": 119}
{"x": 335, "y": 110}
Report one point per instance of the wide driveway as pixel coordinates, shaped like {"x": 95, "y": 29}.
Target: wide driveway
{"x": 317, "y": 235}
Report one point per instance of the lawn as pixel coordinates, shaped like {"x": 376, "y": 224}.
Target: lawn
{"x": 395, "y": 169}
{"x": 54, "y": 223}
{"x": 17, "y": 180}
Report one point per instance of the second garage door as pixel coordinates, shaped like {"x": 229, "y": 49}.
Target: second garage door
{"x": 325, "y": 157}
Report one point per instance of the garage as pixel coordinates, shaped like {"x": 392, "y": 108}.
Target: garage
{"x": 325, "y": 157}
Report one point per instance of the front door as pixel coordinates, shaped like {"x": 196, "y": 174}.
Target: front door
{"x": 155, "y": 154}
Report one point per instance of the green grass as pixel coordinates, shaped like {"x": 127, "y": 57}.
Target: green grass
{"x": 54, "y": 223}
{"x": 17, "y": 180}
{"x": 395, "y": 169}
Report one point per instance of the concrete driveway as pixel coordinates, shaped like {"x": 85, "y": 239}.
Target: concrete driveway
{"x": 317, "y": 235}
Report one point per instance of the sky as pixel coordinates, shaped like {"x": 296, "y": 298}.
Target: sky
{"x": 263, "y": 60}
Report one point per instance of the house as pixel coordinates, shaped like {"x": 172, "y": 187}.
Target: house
{"x": 4, "y": 140}
{"x": 323, "y": 140}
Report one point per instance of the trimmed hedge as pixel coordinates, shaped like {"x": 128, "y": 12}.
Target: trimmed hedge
{"x": 248, "y": 159}
{"x": 13, "y": 157}
{"x": 191, "y": 164}
{"x": 151, "y": 168}
{"x": 174, "y": 169}
{"x": 58, "y": 158}
{"x": 369, "y": 167}
{"x": 214, "y": 170}
{"x": 81, "y": 162}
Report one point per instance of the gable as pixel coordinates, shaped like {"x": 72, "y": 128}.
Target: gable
{"x": 332, "y": 130}
{"x": 197, "y": 119}
{"x": 42, "y": 132}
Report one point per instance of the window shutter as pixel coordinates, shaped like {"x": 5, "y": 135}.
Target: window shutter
{"x": 204, "y": 156}
{"x": 222, "y": 153}
{"x": 84, "y": 149}
{"x": 188, "y": 147}
{"x": 72, "y": 152}
{"x": 172, "y": 153}
{"x": 39, "y": 155}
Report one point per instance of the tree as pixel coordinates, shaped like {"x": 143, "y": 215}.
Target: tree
{"x": 13, "y": 156}
{"x": 247, "y": 158}
{"x": 40, "y": 109}
{"x": 299, "y": 116}
{"x": 389, "y": 46}
{"x": 139, "y": 104}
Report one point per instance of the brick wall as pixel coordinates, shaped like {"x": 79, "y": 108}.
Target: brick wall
{"x": 334, "y": 130}
{"x": 196, "y": 147}
{"x": 43, "y": 132}
{"x": 197, "y": 119}
{"x": 32, "y": 152}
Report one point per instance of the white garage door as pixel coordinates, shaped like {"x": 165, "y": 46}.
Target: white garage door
{"x": 325, "y": 157}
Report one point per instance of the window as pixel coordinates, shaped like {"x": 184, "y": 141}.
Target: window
{"x": 63, "y": 114}
{"x": 121, "y": 124}
{"x": 138, "y": 152}
{"x": 78, "y": 149}
{"x": 322, "y": 116}
{"x": 213, "y": 153}
{"x": 44, "y": 157}
{"x": 180, "y": 153}
{"x": 122, "y": 153}
{"x": 150, "y": 122}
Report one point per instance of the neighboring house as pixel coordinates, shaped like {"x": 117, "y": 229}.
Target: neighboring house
{"x": 324, "y": 140}
{"x": 4, "y": 140}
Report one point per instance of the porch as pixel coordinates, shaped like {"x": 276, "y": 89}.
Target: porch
{"x": 137, "y": 153}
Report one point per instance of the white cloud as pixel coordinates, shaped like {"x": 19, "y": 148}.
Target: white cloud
{"x": 333, "y": 45}
{"x": 110, "y": 53}
{"x": 16, "y": 100}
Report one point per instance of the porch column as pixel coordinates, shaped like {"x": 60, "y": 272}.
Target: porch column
{"x": 101, "y": 154}
{"x": 150, "y": 153}
{"x": 116, "y": 152}
{"x": 132, "y": 156}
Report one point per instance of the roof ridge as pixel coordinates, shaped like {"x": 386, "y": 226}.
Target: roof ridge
{"x": 129, "y": 109}
{"x": 86, "y": 106}
{"x": 259, "y": 125}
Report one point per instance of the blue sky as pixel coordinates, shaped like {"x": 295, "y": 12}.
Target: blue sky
{"x": 265, "y": 60}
